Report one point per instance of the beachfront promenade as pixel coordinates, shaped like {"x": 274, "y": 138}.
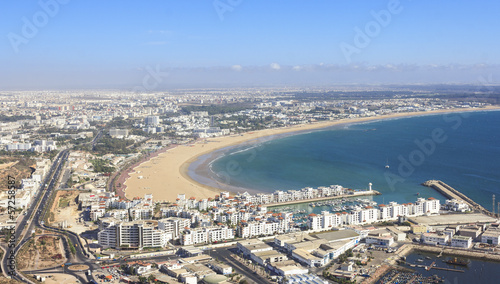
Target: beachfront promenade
{"x": 451, "y": 193}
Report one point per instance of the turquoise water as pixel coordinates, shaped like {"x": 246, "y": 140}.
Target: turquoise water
{"x": 461, "y": 149}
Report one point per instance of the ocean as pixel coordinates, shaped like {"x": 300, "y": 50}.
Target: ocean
{"x": 461, "y": 149}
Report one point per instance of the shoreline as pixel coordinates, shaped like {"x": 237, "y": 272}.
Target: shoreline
{"x": 124, "y": 174}
{"x": 171, "y": 177}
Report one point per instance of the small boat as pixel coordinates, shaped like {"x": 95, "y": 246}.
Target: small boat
{"x": 420, "y": 260}
{"x": 387, "y": 164}
{"x": 455, "y": 261}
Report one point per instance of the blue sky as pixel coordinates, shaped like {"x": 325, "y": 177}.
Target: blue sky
{"x": 110, "y": 43}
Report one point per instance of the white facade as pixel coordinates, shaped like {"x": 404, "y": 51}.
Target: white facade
{"x": 138, "y": 234}
{"x": 491, "y": 237}
{"x": 455, "y": 205}
{"x": 435, "y": 239}
{"x": 325, "y": 221}
{"x": 174, "y": 225}
{"x": 461, "y": 241}
{"x": 385, "y": 240}
{"x": 152, "y": 120}
{"x": 206, "y": 235}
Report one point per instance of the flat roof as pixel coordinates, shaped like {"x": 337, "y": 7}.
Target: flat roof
{"x": 447, "y": 219}
{"x": 291, "y": 268}
{"x": 310, "y": 245}
{"x": 192, "y": 249}
{"x": 306, "y": 255}
{"x": 220, "y": 264}
{"x": 338, "y": 235}
{"x": 463, "y": 238}
{"x": 196, "y": 267}
{"x": 491, "y": 233}
{"x": 201, "y": 257}
{"x": 337, "y": 245}
{"x": 256, "y": 246}
{"x": 268, "y": 253}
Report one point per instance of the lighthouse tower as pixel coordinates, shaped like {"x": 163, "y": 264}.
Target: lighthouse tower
{"x": 370, "y": 186}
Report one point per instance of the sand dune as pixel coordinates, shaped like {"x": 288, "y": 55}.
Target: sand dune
{"x": 166, "y": 176}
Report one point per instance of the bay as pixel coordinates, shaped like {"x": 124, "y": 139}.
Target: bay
{"x": 461, "y": 149}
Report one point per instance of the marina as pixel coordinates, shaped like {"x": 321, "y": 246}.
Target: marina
{"x": 450, "y": 268}
{"x": 302, "y": 210}
{"x": 322, "y": 201}
{"x": 395, "y": 276}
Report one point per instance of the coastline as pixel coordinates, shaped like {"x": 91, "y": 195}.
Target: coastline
{"x": 167, "y": 174}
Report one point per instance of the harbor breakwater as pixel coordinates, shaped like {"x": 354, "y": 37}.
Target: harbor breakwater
{"x": 451, "y": 193}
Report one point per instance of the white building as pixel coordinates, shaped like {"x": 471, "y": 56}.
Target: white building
{"x": 461, "y": 241}
{"x": 380, "y": 239}
{"x": 456, "y": 205}
{"x": 206, "y": 235}
{"x": 252, "y": 246}
{"x": 435, "y": 239}
{"x": 136, "y": 234}
{"x": 325, "y": 221}
{"x": 174, "y": 225}
{"x": 118, "y": 133}
{"x": 152, "y": 120}
{"x": 221, "y": 268}
{"x": 491, "y": 237}
{"x": 22, "y": 199}
{"x": 18, "y": 147}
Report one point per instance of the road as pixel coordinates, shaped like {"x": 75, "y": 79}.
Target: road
{"x": 96, "y": 138}
{"x": 33, "y": 219}
{"x": 225, "y": 255}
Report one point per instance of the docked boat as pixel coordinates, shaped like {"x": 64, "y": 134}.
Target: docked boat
{"x": 456, "y": 261}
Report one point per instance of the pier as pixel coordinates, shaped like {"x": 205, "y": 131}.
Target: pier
{"x": 430, "y": 266}
{"x": 451, "y": 193}
{"x": 447, "y": 269}
{"x": 433, "y": 266}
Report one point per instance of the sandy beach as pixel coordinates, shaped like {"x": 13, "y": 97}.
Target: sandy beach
{"x": 166, "y": 175}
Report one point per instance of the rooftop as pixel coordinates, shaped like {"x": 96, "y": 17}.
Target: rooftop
{"x": 463, "y": 238}
{"x": 452, "y": 219}
{"x": 338, "y": 235}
